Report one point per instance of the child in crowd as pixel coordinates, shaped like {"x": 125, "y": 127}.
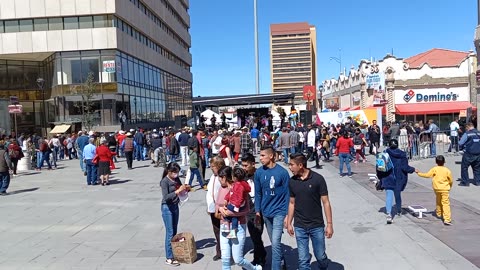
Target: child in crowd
{"x": 194, "y": 165}
{"x": 442, "y": 183}
{"x": 236, "y": 200}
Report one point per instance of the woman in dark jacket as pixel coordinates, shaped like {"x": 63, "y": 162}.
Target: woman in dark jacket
{"x": 395, "y": 180}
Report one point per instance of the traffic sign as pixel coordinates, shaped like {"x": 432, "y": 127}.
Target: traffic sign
{"x": 15, "y": 109}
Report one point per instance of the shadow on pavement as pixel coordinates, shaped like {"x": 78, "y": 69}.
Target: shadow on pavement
{"x": 138, "y": 167}
{"x": 205, "y": 243}
{"x": 22, "y": 191}
{"x": 114, "y": 182}
{"x": 331, "y": 265}
{"x": 199, "y": 256}
{"x": 29, "y": 173}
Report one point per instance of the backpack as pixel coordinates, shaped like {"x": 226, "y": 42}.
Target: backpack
{"x": 357, "y": 140}
{"x": 383, "y": 162}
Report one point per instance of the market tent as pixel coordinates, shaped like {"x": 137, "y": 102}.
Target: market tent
{"x": 58, "y": 129}
{"x": 208, "y": 114}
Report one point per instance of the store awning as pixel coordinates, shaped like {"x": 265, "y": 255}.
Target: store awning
{"x": 344, "y": 109}
{"x": 432, "y": 108}
{"x": 58, "y": 129}
{"x": 354, "y": 108}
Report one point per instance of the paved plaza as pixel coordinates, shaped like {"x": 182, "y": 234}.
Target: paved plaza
{"x": 53, "y": 220}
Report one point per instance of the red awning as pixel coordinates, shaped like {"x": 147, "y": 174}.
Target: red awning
{"x": 432, "y": 107}
{"x": 354, "y": 108}
{"x": 344, "y": 109}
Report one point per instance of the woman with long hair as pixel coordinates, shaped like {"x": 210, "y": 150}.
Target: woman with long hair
{"x": 216, "y": 163}
{"x": 225, "y": 152}
{"x": 359, "y": 144}
{"x": 232, "y": 248}
{"x": 172, "y": 187}
{"x": 344, "y": 144}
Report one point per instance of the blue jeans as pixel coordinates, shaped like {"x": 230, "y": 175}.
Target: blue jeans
{"x": 138, "y": 152}
{"x": 45, "y": 157}
{"x": 82, "y": 164}
{"x": 195, "y": 172}
{"x": 390, "y": 193}
{"x": 170, "y": 215}
{"x": 286, "y": 151}
{"x": 91, "y": 172}
{"x": 303, "y": 236}
{"x": 274, "y": 227}
{"x": 39, "y": 159}
{"x": 207, "y": 157}
{"x": 4, "y": 181}
{"x": 433, "y": 147}
{"x": 345, "y": 158}
{"x": 233, "y": 248}
{"x": 55, "y": 155}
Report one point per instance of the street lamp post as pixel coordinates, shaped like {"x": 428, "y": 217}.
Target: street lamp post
{"x": 257, "y": 68}
{"x": 338, "y": 59}
{"x": 41, "y": 86}
{"x": 320, "y": 90}
{"x": 183, "y": 101}
{"x": 135, "y": 105}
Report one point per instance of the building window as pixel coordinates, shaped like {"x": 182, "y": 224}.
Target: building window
{"x": 70, "y": 23}
{"x": 85, "y": 22}
{"x": 26, "y": 25}
{"x": 55, "y": 24}
{"x": 102, "y": 21}
{"x": 40, "y": 24}
{"x": 11, "y": 26}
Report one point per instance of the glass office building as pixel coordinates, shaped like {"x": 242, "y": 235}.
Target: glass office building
{"x": 137, "y": 55}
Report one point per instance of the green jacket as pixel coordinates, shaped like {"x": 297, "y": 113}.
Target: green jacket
{"x": 193, "y": 159}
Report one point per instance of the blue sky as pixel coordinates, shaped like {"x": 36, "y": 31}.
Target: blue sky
{"x": 223, "y": 44}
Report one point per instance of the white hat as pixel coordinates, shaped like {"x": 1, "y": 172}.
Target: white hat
{"x": 129, "y": 134}
{"x": 132, "y": 130}
{"x": 90, "y": 133}
{"x": 80, "y": 132}
{"x": 220, "y": 132}
{"x": 154, "y": 130}
{"x": 121, "y": 132}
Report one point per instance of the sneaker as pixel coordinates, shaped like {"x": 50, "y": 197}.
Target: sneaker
{"x": 224, "y": 227}
{"x": 217, "y": 257}
{"x": 447, "y": 223}
{"x": 172, "y": 262}
{"x": 350, "y": 175}
{"x": 389, "y": 219}
{"x": 232, "y": 235}
{"x": 205, "y": 187}
{"x": 463, "y": 184}
{"x": 355, "y": 162}
{"x": 342, "y": 175}
{"x": 364, "y": 161}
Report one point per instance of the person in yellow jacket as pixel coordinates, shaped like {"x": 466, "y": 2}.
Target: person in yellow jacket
{"x": 442, "y": 183}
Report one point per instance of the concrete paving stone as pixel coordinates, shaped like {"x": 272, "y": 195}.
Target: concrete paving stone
{"x": 120, "y": 226}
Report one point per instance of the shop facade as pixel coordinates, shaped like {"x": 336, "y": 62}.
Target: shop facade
{"x": 140, "y": 71}
{"x": 437, "y": 84}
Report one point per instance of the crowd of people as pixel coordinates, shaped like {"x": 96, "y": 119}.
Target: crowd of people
{"x": 239, "y": 196}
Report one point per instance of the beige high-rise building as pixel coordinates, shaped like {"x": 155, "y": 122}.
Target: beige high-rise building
{"x": 293, "y": 50}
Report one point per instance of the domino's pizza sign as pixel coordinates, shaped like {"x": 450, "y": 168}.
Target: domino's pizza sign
{"x": 428, "y": 96}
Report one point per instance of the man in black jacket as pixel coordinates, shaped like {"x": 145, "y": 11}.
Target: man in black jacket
{"x": 374, "y": 136}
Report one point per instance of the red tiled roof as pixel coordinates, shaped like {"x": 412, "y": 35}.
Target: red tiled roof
{"x": 437, "y": 58}
{"x": 289, "y": 28}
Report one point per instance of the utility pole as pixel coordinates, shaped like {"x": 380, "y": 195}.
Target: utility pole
{"x": 257, "y": 68}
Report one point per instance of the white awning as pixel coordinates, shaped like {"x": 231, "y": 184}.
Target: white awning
{"x": 58, "y": 129}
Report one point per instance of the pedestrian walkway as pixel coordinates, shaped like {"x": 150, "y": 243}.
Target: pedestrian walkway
{"x": 53, "y": 220}
{"x": 463, "y": 235}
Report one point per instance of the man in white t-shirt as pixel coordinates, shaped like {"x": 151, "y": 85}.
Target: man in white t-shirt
{"x": 454, "y": 127}
{"x": 217, "y": 142}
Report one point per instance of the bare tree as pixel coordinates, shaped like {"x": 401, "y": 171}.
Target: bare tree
{"x": 87, "y": 91}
